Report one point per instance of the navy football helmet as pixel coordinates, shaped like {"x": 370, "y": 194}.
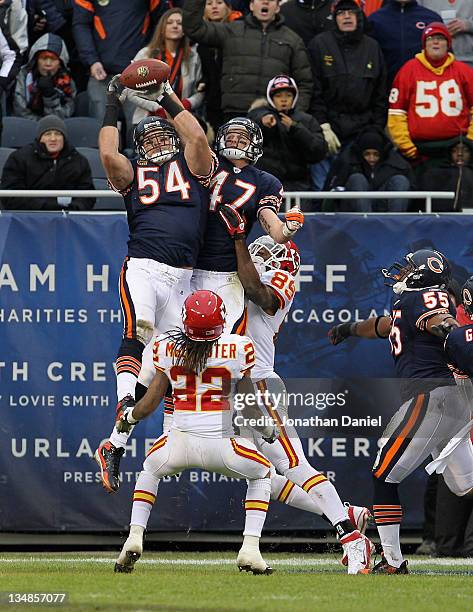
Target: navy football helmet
{"x": 240, "y": 138}
{"x": 467, "y": 296}
{"x": 423, "y": 269}
{"x": 156, "y": 140}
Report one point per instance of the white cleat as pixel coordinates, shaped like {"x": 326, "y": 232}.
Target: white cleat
{"x": 250, "y": 560}
{"x": 131, "y": 551}
{"x": 357, "y": 551}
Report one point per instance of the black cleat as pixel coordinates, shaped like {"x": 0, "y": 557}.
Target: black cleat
{"x": 108, "y": 457}
{"x": 383, "y": 567}
{"x": 129, "y": 564}
{"x": 247, "y": 568}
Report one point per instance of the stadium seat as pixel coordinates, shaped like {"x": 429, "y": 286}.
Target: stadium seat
{"x": 5, "y": 153}
{"x": 93, "y": 158}
{"x": 83, "y": 131}
{"x": 107, "y": 203}
{"x": 18, "y": 132}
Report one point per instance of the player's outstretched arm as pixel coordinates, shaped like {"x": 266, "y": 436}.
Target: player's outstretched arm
{"x": 146, "y": 405}
{"x": 372, "y": 328}
{"x": 118, "y": 168}
{"x": 255, "y": 290}
{"x": 281, "y": 231}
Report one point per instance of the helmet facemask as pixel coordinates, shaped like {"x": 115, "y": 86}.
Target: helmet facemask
{"x": 157, "y": 143}
{"x": 240, "y": 139}
{"x": 269, "y": 255}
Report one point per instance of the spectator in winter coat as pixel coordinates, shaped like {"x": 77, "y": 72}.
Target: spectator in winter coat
{"x": 44, "y": 86}
{"x": 14, "y": 20}
{"x": 453, "y": 173}
{"x": 371, "y": 164}
{"x": 219, "y": 11}
{"x": 49, "y": 162}
{"x": 349, "y": 83}
{"x": 253, "y": 51}
{"x": 398, "y": 28}
{"x": 458, "y": 17}
{"x": 292, "y": 139}
{"x": 108, "y": 36}
{"x": 171, "y": 46}
{"x": 431, "y": 98}
{"x": 308, "y": 17}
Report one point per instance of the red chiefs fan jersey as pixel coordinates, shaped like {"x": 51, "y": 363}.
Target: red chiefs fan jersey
{"x": 438, "y": 106}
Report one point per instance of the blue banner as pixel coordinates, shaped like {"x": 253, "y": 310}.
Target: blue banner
{"x": 60, "y": 328}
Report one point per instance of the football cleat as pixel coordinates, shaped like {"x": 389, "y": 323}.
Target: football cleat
{"x": 250, "y": 560}
{"x": 123, "y": 404}
{"x": 359, "y": 517}
{"x": 131, "y": 551}
{"x": 108, "y": 458}
{"x": 357, "y": 549}
{"x": 383, "y": 567}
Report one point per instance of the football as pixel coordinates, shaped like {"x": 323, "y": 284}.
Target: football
{"x": 144, "y": 74}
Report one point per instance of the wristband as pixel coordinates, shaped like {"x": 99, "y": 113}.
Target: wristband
{"x": 376, "y": 323}
{"x": 111, "y": 111}
{"x": 287, "y": 232}
{"x": 170, "y": 105}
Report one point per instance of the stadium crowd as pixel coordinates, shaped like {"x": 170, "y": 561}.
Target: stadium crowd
{"x": 355, "y": 95}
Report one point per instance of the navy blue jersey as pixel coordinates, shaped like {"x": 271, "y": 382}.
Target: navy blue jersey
{"x": 248, "y": 189}
{"x": 459, "y": 350}
{"x": 167, "y": 210}
{"x": 419, "y": 355}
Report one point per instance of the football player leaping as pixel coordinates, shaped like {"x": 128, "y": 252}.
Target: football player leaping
{"x": 166, "y": 203}
{"x": 433, "y": 409}
{"x": 255, "y": 194}
{"x": 203, "y": 366}
{"x": 270, "y": 291}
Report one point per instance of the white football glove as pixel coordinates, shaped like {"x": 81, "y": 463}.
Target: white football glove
{"x": 293, "y": 221}
{"x": 148, "y": 99}
{"x": 331, "y": 139}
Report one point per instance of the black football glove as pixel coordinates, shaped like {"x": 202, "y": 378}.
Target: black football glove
{"x": 339, "y": 333}
{"x": 234, "y": 222}
{"x": 46, "y": 86}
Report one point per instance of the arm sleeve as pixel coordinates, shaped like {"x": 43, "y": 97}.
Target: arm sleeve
{"x": 397, "y": 116}
{"x": 54, "y": 18}
{"x": 19, "y": 25}
{"x": 82, "y": 29}
{"x": 20, "y": 107}
{"x": 10, "y": 58}
{"x": 310, "y": 140}
{"x": 270, "y": 194}
{"x": 206, "y": 32}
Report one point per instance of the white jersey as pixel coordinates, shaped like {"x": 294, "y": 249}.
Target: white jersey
{"x": 203, "y": 403}
{"x": 263, "y": 328}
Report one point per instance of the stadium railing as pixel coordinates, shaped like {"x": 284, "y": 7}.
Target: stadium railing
{"x": 292, "y": 198}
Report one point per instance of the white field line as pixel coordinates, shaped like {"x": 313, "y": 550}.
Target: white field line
{"x": 292, "y": 561}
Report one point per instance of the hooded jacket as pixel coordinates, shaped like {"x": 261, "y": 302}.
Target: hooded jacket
{"x": 308, "y": 17}
{"x": 28, "y": 101}
{"x": 349, "y": 81}
{"x": 250, "y": 55}
{"x": 350, "y": 161}
{"x": 398, "y": 30}
{"x": 287, "y": 152}
{"x": 31, "y": 167}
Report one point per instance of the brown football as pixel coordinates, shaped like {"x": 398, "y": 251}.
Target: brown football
{"x": 144, "y": 74}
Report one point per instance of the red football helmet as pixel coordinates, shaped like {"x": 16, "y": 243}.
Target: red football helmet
{"x": 272, "y": 255}
{"x": 203, "y": 316}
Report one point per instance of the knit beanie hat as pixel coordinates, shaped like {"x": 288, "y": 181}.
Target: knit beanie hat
{"x": 436, "y": 27}
{"x": 343, "y": 5}
{"x": 279, "y": 83}
{"x": 51, "y": 122}
{"x": 371, "y": 140}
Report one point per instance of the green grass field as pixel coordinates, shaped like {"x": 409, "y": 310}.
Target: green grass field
{"x": 210, "y": 581}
